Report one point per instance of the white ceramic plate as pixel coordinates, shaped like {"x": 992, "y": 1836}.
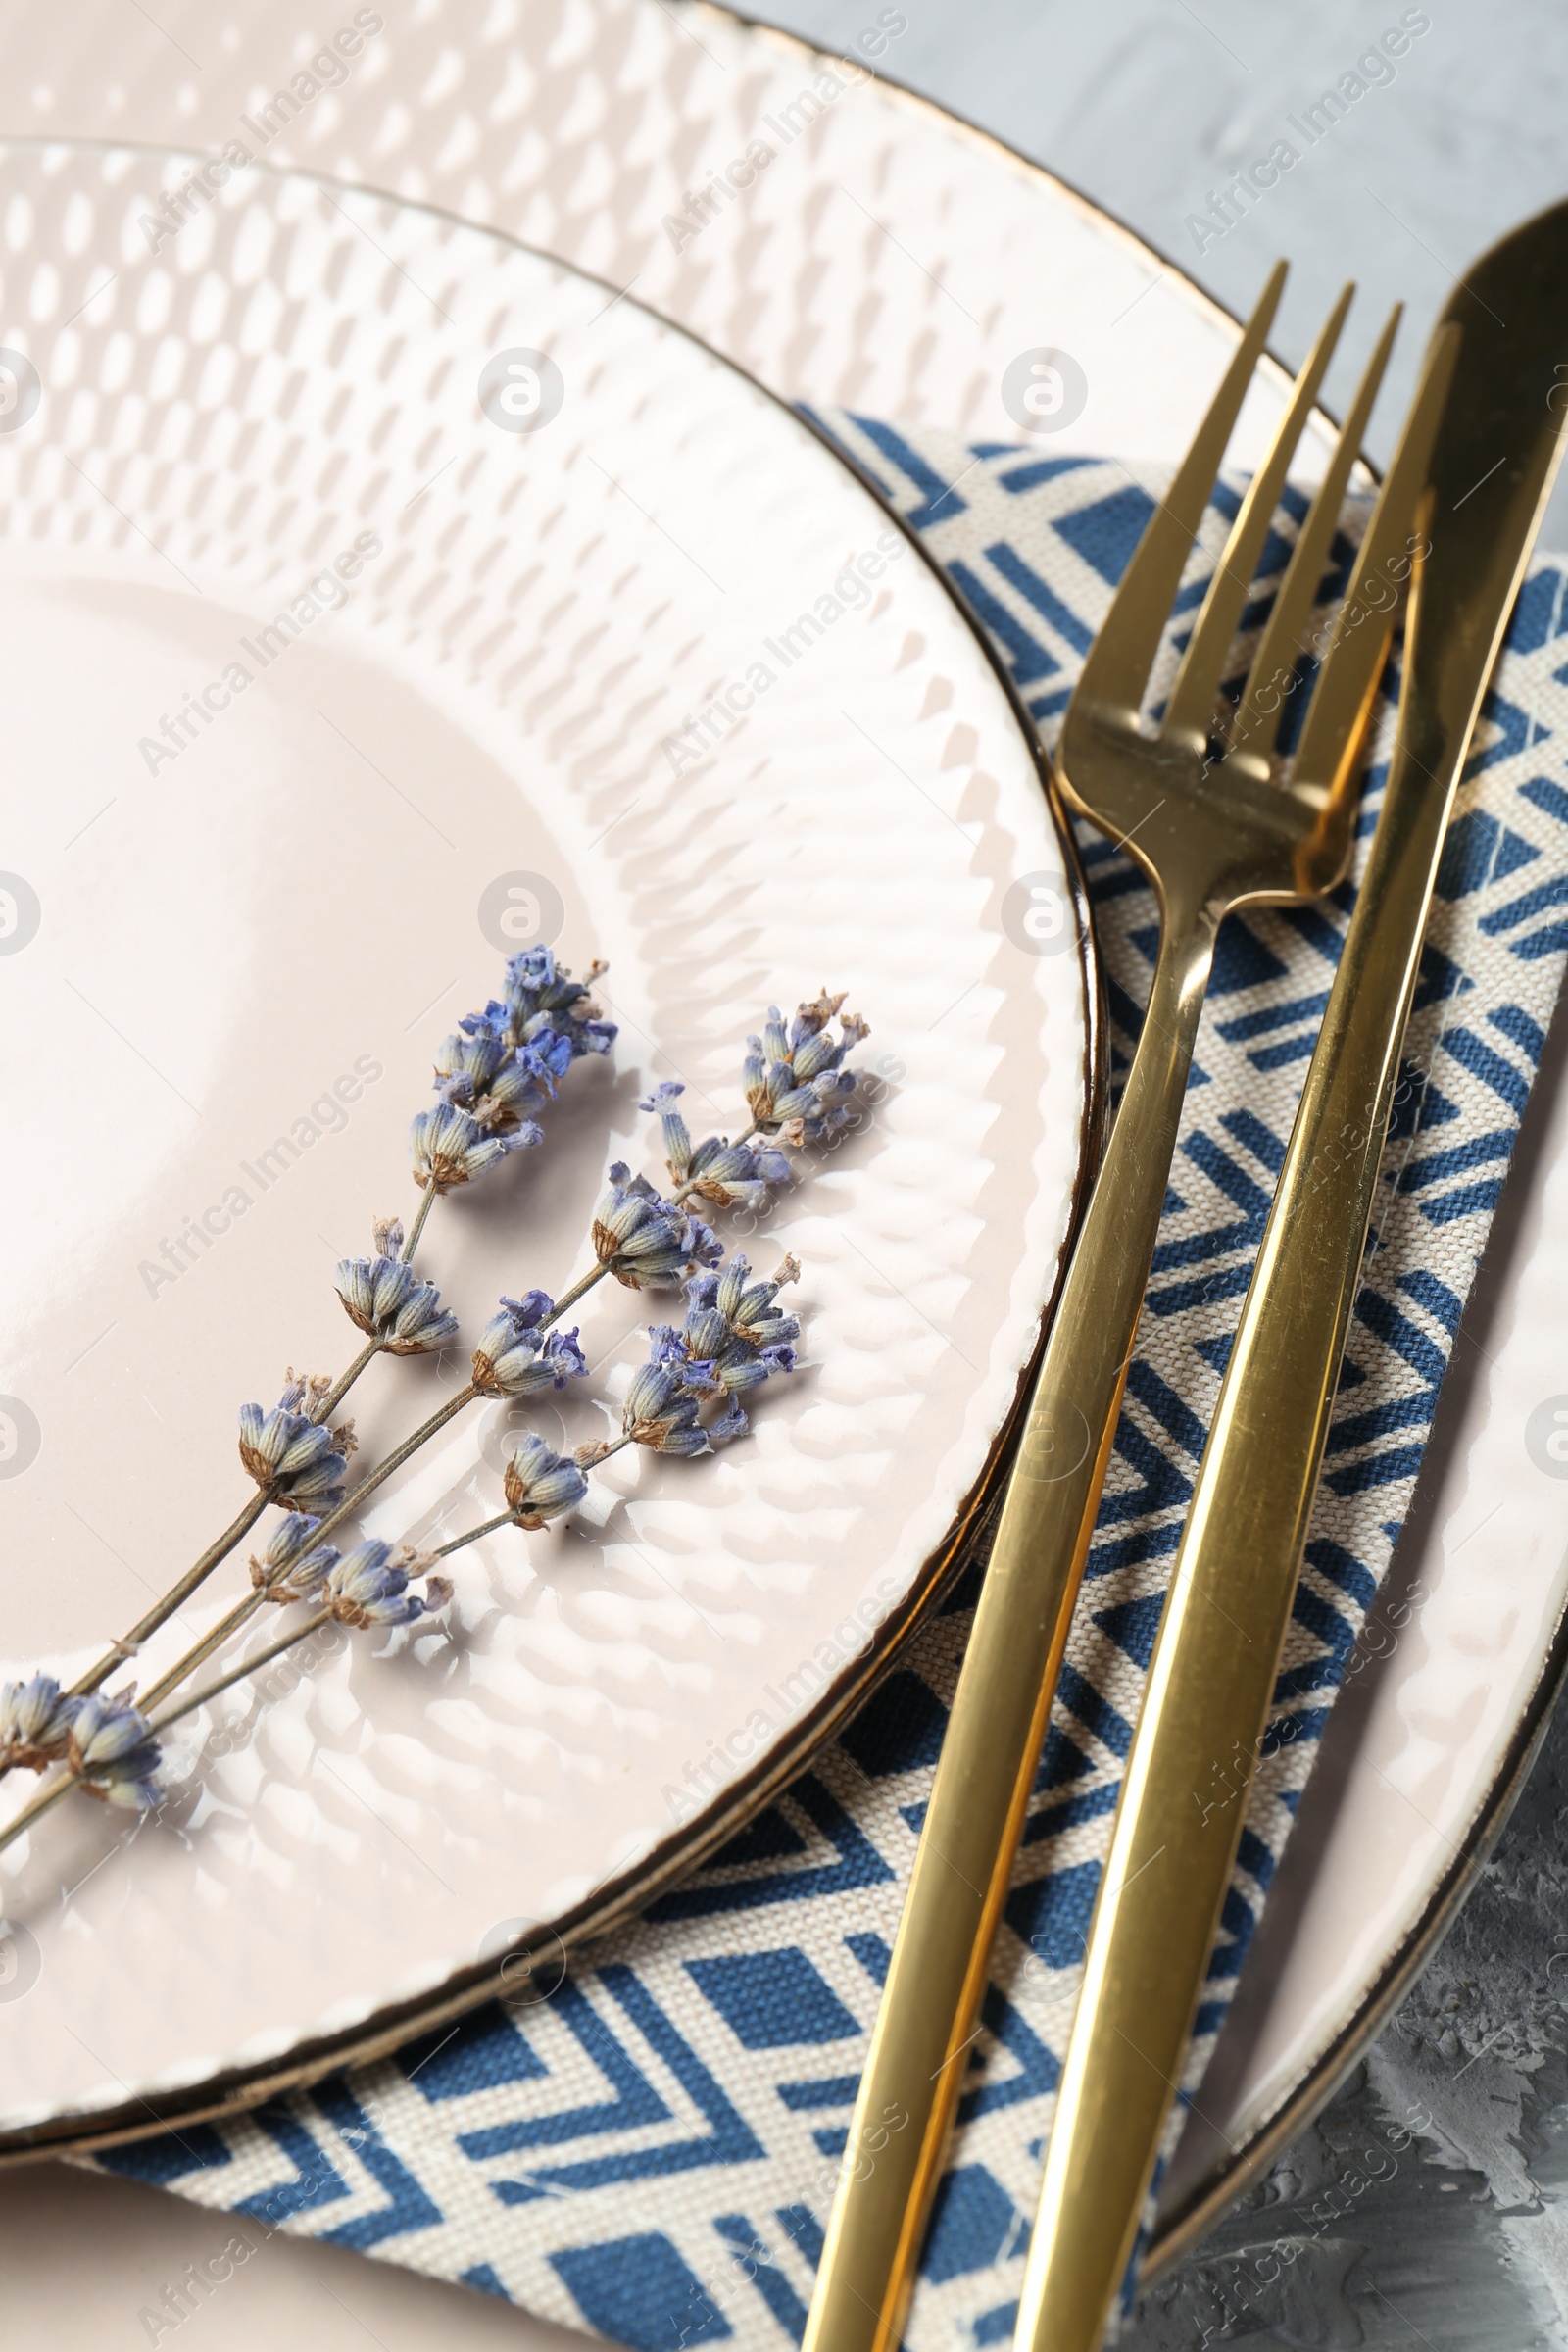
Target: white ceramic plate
{"x": 455, "y": 675}
{"x": 895, "y": 260}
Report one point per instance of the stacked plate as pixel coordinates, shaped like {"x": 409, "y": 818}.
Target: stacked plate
{"x": 351, "y": 645}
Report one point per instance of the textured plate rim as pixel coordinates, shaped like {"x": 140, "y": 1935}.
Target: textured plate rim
{"x": 233, "y": 2090}
{"x": 1096, "y": 215}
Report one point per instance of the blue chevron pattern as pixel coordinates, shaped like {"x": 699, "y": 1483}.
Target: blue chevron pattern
{"x": 651, "y": 2154}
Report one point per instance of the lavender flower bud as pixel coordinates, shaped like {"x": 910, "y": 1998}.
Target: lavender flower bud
{"x": 306, "y": 1396}
{"x": 678, "y": 1141}
{"x": 387, "y": 1237}
{"x": 540, "y": 1485}
{"x": 724, "y": 1312}
{"x": 527, "y": 1081}
{"x": 368, "y": 1587}
{"x": 794, "y": 1083}
{"x": 35, "y": 1719}
{"x": 447, "y": 1147}
{"x": 661, "y": 1412}
{"x": 730, "y": 1425}
{"x": 645, "y": 1240}
{"x": 515, "y": 1358}
{"x": 292, "y": 1459}
{"x": 679, "y": 1351}
{"x": 468, "y": 1062}
{"x": 113, "y": 1748}
{"x": 288, "y": 1570}
{"x": 736, "y": 1175}
{"x": 541, "y": 994}
{"x": 386, "y": 1298}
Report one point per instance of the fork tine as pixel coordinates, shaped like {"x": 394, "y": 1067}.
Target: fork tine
{"x": 1342, "y": 698}
{"x": 1192, "y": 698}
{"x": 1256, "y": 725}
{"x": 1119, "y": 659}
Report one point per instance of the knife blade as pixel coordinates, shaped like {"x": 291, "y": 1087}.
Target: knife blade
{"x": 1211, "y": 1677}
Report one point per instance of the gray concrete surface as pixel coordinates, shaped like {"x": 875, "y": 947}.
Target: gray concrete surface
{"x": 1149, "y": 106}
{"x": 1429, "y": 2205}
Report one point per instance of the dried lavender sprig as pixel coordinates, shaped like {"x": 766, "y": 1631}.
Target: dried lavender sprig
{"x": 642, "y": 1239}
{"x": 733, "y": 1338}
{"x": 545, "y": 1021}
{"x": 112, "y": 1747}
{"x": 514, "y": 1357}
{"x": 108, "y": 1749}
{"x": 279, "y": 1448}
{"x": 497, "y": 1065}
{"x": 797, "y": 1091}
{"x": 230, "y": 1623}
{"x": 368, "y": 1587}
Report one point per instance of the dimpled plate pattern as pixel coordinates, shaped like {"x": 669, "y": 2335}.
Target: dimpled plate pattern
{"x": 887, "y": 260}
{"x": 534, "y": 621}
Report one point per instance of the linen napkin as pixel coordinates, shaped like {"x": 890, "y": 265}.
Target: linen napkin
{"x": 648, "y": 2154}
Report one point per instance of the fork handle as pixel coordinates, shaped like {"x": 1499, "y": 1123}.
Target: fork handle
{"x": 990, "y": 1751}
{"x": 1211, "y": 1677}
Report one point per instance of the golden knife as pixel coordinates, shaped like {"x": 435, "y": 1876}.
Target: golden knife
{"x": 1211, "y": 1677}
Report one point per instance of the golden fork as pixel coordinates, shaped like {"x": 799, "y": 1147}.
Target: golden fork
{"x": 1211, "y": 833}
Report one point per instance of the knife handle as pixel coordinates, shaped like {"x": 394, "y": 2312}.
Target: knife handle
{"x": 1211, "y": 1677}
